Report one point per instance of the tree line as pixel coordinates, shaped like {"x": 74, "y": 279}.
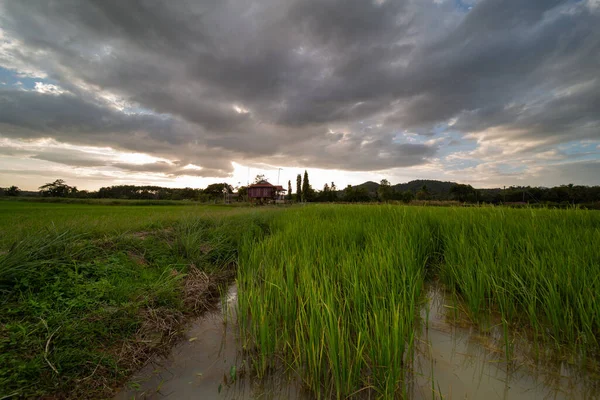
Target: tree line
{"x": 304, "y": 192}
{"x": 59, "y": 188}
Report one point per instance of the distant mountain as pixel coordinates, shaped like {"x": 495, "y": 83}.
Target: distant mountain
{"x": 369, "y": 185}
{"x": 433, "y": 186}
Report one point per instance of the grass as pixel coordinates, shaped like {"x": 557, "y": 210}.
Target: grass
{"x": 20, "y": 219}
{"x": 330, "y": 292}
{"x": 333, "y": 293}
{"x": 540, "y": 268}
{"x": 89, "y": 293}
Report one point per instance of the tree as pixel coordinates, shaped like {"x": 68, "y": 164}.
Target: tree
{"x": 216, "y": 190}
{"x": 298, "y": 187}
{"x": 332, "y": 195}
{"x": 385, "y": 191}
{"x": 58, "y": 188}
{"x": 289, "y": 194}
{"x": 259, "y": 178}
{"x": 423, "y": 194}
{"x": 12, "y": 191}
{"x": 462, "y": 192}
{"x": 328, "y": 193}
{"x": 325, "y": 194}
{"x": 305, "y": 187}
{"x": 353, "y": 195}
{"x": 407, "y": 196}
{"x": 242, "y": 193}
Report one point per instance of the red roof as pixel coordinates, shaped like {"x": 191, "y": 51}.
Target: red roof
{"x": 265, "y": 184}
{"x": 261, "y": 184}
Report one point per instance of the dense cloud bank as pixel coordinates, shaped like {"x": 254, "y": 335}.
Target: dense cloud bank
{"x": 345, "y": 84}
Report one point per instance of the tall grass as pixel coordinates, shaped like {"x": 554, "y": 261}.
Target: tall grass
{"x": 333, "y": 293}
{"x": 540, "y": 268}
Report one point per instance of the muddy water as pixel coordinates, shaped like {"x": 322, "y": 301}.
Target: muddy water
{"x": 450, "y": 362}
{"x": 208, "y": 364}
{"x": 463, "y": 363}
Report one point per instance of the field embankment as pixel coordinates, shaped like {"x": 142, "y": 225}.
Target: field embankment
{"x": 89, "y": 293}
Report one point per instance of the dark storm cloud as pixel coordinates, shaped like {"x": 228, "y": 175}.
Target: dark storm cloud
{"x": 569, "y": 116}
{"x": 71, "y": 158}
{"x": 246, "y": 81}
{"x": 69, "y": 115}
{"x": 504, "y": 52}
{"x": 84, "y": 159}
{"x": 170, "y": 169}
{"x": 73, "y": 119}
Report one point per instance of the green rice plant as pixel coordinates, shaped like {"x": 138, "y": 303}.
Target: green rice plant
{"x": 538, "y": 268}
{"x": 333, "y": 293}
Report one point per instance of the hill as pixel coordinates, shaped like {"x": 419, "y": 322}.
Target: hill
{"x": 433, "y": 186}
{"x": 369, "y": 185}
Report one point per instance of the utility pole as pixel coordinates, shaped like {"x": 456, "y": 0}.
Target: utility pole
{"x": 278, "y": 171}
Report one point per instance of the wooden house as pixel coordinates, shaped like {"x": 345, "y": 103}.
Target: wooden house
{"x": 263, "y": 191}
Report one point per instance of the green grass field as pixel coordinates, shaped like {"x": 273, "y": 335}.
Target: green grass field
{"x": 332, "y": 292}
{"x": 89, "y": 292}
{"x": 22, "y": 218}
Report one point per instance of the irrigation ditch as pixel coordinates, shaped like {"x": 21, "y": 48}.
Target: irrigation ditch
{"x": 452, "y": 359}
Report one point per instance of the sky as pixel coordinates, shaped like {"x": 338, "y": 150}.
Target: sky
{"x": 188, "y": 93}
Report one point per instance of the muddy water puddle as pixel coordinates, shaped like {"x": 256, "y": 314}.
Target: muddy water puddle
{"x": 450, "y": 362}
{"x": 208, "y": 364}
{"x": 460, "y": 362}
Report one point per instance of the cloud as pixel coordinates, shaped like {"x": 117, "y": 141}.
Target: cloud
{"x": 48, "y": 88}
{"x": 101, "y": 159}
{"x": 74, "y": 159}
{"x": 327, "y": 84}
{"x": 171, "y": 169}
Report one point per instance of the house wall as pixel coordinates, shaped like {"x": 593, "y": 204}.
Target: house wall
{"x": 260, "y": 192}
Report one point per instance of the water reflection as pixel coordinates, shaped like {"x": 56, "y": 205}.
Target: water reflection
{"x": 208, "y": 364}
{"x": 452, "y": 360}
{"x": 457, "y": 361}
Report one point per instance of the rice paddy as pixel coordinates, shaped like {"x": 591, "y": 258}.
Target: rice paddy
{"x": 331, "y": 295}
{"x": 333, "y": 292}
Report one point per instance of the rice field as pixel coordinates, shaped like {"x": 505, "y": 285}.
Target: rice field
{"x": 333, "y": 292}
{"x": 332, "y": 295}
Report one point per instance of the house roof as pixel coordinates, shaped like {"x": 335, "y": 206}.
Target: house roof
{"x": 262, "y": 183}
{"x": 265, "y": 184}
